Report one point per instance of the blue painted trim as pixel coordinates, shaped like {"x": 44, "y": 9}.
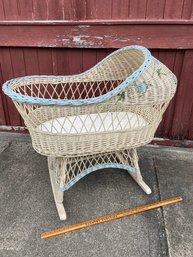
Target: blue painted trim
{"x": 94, "y": 168}
{"x": 37, "y": 100}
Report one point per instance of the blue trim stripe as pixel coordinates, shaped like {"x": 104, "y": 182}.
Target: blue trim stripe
{"x": 37, "y": 100}
{"x": 92, "y": 169}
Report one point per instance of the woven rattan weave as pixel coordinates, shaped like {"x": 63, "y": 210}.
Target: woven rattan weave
{"x": 98, "y": 118}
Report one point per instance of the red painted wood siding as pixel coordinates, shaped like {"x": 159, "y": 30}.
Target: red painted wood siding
{"x": 29, "y": 45}
{"x": 95, "y": 9}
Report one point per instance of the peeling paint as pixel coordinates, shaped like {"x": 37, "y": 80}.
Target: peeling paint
{"x": 111, "y": 35}
{"x": 87, "y": 41}
{"x": 12, "y": 128}
{"x": 78, "y": 40}
{"x": 83, "y": 26}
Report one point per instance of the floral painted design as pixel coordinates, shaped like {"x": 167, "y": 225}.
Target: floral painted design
{"x": 121, "y": 97}
{"x": 159, "y": 72}
{"x": 141, "y": 87}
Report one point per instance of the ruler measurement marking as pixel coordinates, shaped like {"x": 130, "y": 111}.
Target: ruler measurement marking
{"x": 109, "y": 217}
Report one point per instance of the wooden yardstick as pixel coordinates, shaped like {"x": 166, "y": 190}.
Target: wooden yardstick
{"x": 113, "y": 216}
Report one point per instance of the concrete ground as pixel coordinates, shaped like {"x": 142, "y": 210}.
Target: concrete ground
{"x": 27, "y": 206}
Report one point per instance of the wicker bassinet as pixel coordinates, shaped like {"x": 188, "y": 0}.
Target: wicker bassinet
{"x": 95, "y": 119}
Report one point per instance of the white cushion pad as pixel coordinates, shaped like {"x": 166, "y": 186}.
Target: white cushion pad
{"x": 97, "y": 122}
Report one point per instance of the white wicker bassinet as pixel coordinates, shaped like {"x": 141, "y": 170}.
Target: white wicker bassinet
{"x": 95, "y": 119}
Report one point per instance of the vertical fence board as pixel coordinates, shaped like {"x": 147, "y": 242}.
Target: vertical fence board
{"x": 75, "y": 61}
{"x": 190, "y": 130}
{"x": 179, "y": 58}
{"x": 120, "y": 9}
{"x": 17, "y": 56}
{"x": 40, "y": 10}
{"x": 184, "y": 104}
{"x": 2, "y": 13}
{"x": 31, "y": 61}
{"x": 4, "y": 101}
{"x": 11, "y": 9}
{"x": 89, "y": 59}
{"x": 155, "y": 9}
{"x": 69, "y": 10}
{"x": 168, "y": 58}
{"x": 7, "y": 73}
{"x": 45, "y": 61}
{"x": 80, "y": 9}
{"x": 55, "y": 10}
{"x": 62, "y": 58}
{"x": 137, "y": 9}
{"x": 187, "y": 9}
{"x": 173, "y": 9}
{"x": 54, "y": 61}
{"x": 24, "y": 9}
{"x": 103, "y": 9}
{"x": 18, "y": 70}
{"x": 3, "y": 104}
{"x": 91, "y": 9}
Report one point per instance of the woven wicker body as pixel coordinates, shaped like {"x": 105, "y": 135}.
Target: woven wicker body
{"x": 101, "y": 115}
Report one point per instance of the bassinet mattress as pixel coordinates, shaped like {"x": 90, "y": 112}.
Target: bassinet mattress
{"x": 96, "y": 122}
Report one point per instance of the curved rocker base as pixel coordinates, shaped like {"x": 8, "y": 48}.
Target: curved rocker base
{"x": 60, "y": 170}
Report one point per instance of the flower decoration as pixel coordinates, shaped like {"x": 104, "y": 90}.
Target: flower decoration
{"x": 121, "y": 96}
{"x": 141, "y": 88}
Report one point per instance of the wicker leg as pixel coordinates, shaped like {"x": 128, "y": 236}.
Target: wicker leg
{"x": 132, "y": 160}
{"x": 139, "y": 179}
{"x": 58, "y": 196}
{"x": 137, "y": 175}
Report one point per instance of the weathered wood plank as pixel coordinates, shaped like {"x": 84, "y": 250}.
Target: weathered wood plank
{"x": 170, "y": 36}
